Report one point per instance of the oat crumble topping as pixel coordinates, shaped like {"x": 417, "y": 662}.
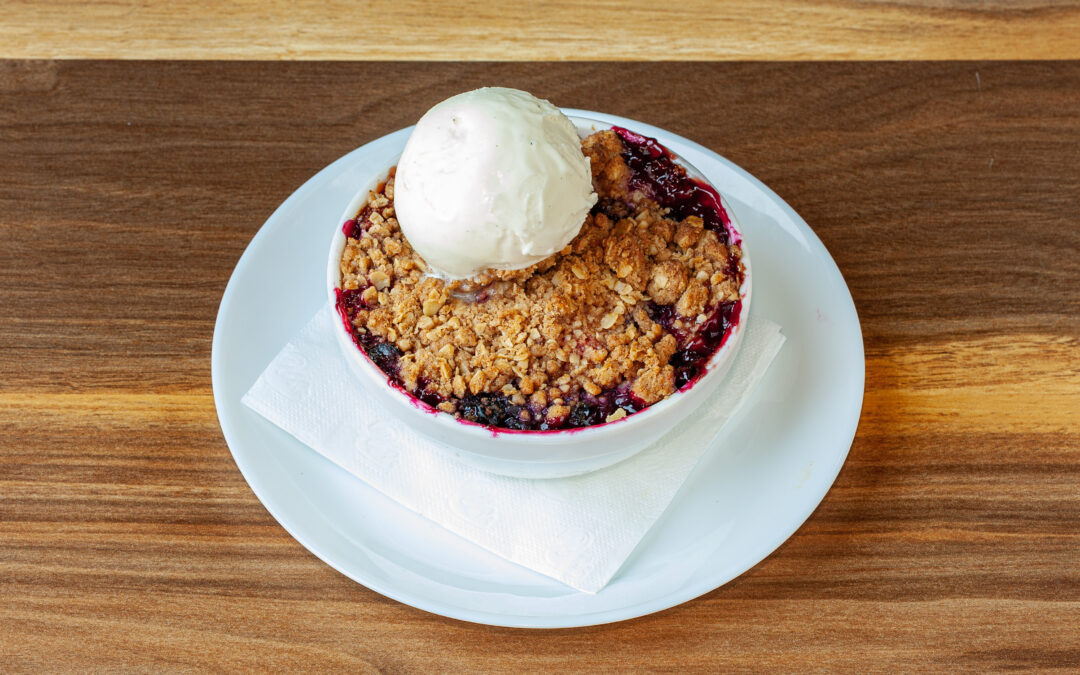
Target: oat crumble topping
{"x": 609, "y": 314}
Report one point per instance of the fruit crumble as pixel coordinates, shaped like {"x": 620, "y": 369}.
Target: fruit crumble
{"x": 628, "y": 313}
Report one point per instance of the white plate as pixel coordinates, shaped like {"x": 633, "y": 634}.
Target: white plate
{"x": 781, "y": 453}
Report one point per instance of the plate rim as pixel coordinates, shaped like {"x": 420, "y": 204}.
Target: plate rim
{"x": 704, "y": 585}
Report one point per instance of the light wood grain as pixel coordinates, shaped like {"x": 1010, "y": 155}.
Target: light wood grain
{"x": 551, "y": 29}
{"x": 947, "y": 193}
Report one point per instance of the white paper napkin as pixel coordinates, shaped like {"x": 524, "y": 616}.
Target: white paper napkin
{"x": 577, "y": 530}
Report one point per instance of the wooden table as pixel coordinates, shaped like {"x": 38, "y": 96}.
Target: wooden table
{"x": 542, "y": 29}
{"x": 948, "y": 194}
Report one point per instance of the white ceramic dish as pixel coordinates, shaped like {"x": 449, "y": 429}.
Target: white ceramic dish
{"x": 769, "y": 470}
{"x": 543, "y": 454}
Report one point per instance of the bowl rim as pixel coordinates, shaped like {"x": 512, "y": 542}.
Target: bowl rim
{"x": 725, "y": 353}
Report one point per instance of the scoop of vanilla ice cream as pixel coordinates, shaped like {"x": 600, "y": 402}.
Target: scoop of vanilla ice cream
{"x": 492, "y": 178}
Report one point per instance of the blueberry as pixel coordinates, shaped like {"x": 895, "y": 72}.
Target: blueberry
{"x": 385, "y": 356}
{"x": 352, "y": 300}
{"x": 685, "y": 375}
{"x": 584, "y": 415}
{"x": 626, "y": 400}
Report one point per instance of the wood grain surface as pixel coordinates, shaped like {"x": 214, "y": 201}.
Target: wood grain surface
{"x": 947, "y": 193}
{"x": 547, "y": 29}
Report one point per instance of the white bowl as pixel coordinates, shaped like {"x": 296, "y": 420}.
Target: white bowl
{"x": 535, "y": 454}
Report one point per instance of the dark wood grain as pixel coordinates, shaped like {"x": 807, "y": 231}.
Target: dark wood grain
{"x": 947, "y": 192}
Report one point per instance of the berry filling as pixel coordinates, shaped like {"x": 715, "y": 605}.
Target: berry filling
{"x": 656, "y": 173}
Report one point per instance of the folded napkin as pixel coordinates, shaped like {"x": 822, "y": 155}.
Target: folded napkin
{"x": 577, "y": 530}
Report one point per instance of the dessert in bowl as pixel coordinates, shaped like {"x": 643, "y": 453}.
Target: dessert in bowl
{"x": 573, "y": 357}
